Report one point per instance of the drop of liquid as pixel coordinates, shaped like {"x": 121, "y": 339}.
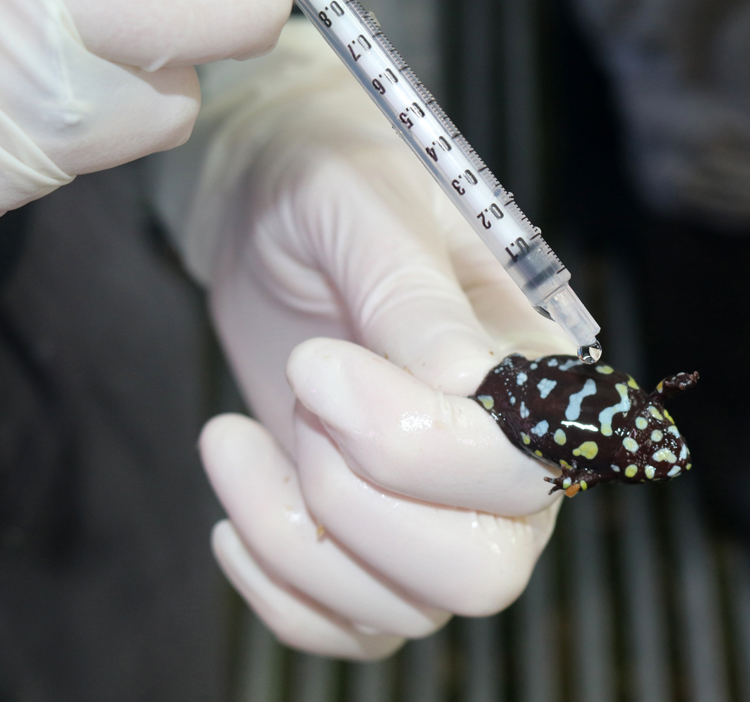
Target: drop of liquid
{"x": 591, "y": 353}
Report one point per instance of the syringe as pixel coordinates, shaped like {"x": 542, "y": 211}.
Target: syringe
{"x": 355, "y": 35}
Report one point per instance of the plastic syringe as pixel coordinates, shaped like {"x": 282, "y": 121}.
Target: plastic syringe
{"x": 355, "y": 35}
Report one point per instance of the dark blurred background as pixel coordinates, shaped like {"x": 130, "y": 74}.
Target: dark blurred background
{"x": 108, "y": 369}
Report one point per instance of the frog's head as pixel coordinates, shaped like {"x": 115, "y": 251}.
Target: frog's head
{"x": 654, "y": 448}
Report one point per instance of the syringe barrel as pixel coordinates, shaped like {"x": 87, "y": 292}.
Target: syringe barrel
{"x": 489, "y": 209}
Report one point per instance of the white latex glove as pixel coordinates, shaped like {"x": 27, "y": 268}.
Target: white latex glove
{"x": 375, "y": 499}
{"x": 87, "y": 85}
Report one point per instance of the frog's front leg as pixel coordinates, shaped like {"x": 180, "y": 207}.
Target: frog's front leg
{"x": 572, "y": 479}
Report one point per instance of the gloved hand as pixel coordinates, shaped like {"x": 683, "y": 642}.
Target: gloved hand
{"x": 86, "y": 85}
{"x": 374, "y": 499}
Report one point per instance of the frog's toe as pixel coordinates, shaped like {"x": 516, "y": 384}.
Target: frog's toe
{"x": 572, "y": 480}
{"x": 555, "y": 485}
{"x": 674, "y": 384}
{"x": 566, "y": 482}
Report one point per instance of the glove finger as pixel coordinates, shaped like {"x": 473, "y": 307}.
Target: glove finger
{"x": 296, "y": 621}
{"x": 399, "y": 433}
{"x": 385, "y": 253}
{"x": 459, "y": 560}
{"x": 259, "y": 488}
{"x": 152, "y": 35}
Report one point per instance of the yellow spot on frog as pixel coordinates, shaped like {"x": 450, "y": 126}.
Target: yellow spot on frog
{"x": 641, "y": 422}
{"x": 630, "y": 444}
{"x": 631, "y": 470}
{"x": 566, "y": 483}
{"x": 560, "y": 437}
{"x": 538, "y": 453}
{"x": 688, "y": 466}
{"x": 650, "y": 472}
{"x": 664, "y": 455}
{"x": 668, "y": 416}
{"x": 584, "y": 485}
{"x": 604, "y": 370}
{"x": 654, "y": 412}
{"x": 525, "y": 438}
{"x": 565, "y": 464}
{"x": 660, "y": 386}
{"x": 633, "y": 384}
{"x": 656, "y": 436}
{"x": 588, "y": 449}
{"x": 487, "y": 401}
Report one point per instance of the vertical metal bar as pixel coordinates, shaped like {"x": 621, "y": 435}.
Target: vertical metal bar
{"x": 262, "y": 676}
{"x": 371, "y": 682}
{"x": 521, "y": 102}
{"x": 625, "y": 349}
{"x": 479, "y": 34}
{"x": 646, "y": 631}
{"x": 591, "y": 606}
{"x": 425, "y": 666}
{"x": 738, "y": 562}
{"x": 483, "y": 673}
{"x": 538, "y": 644}
{"x": 313, "y": 679}
{"x": 700, "y": 622}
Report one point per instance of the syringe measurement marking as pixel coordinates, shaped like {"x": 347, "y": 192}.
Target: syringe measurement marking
{"x": 432, "y": 151}
{"x": 386, "y": 74}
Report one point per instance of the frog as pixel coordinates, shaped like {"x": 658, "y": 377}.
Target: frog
{"x": 591, "y": 421}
